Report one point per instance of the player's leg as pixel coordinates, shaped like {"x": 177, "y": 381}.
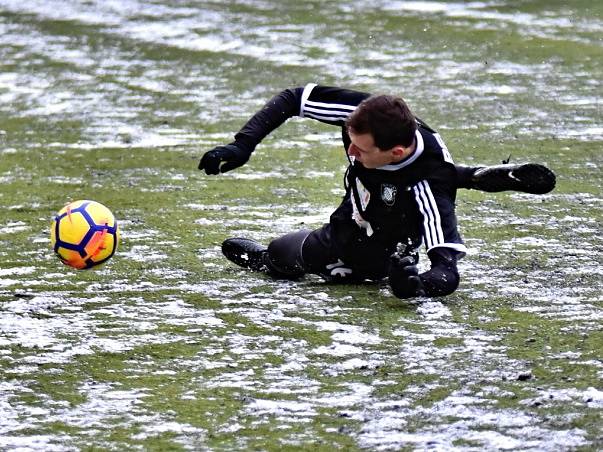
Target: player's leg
{"x": 292, "y": 255}
{"x": 527, "y": 177}
{"x": 284, "y": 255}
{"x": 280, "y": 259}
{"x": 320, "y": 257}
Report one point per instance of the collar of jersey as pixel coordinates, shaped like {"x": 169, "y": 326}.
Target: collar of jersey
{"x": 408, "y": 160}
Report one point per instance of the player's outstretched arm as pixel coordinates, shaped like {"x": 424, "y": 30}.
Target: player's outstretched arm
{"x": 523, "y": 177}
{"x": 276, "y": 111}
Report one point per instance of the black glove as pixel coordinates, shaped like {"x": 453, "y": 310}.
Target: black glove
{"x": 223, "y": 158}
{"x": 404, "y": 277}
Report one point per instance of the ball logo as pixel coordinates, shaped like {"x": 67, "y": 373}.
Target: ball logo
{"x": 388, "y": 194}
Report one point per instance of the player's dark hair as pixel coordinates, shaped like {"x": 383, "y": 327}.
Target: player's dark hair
{"x": 387, "y": 118}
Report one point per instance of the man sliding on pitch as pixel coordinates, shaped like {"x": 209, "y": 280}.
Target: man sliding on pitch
{"x": 400, "y": 192}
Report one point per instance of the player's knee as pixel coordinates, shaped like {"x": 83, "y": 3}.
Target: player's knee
{"x": 284, "y": 253}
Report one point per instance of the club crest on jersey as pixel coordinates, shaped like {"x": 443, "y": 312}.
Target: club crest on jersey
{"x": 388, "y": 194}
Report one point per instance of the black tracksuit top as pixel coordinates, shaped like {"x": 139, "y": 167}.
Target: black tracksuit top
{"x": 412, "y": 201}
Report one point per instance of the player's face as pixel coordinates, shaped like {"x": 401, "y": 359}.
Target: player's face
{"x": 363, "y": 150}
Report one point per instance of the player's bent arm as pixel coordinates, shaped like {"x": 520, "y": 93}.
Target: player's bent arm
{"x": 435, "y": 201}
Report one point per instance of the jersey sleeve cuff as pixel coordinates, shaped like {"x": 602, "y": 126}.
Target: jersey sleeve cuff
{"x": 458, "y": 247}
{"x": 305, "y": 95}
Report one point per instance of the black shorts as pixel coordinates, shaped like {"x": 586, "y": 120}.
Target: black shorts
{"x": 346, "y": 257}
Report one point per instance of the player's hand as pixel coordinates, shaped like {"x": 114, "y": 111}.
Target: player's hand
{"x": 223, "y": 158}
{"x": 404, "y": 277}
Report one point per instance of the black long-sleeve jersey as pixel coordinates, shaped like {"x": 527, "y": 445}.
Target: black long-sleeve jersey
{"x": 406, "y": 202}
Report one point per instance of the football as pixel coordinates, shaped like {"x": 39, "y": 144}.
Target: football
{"x": 84, "y": 234}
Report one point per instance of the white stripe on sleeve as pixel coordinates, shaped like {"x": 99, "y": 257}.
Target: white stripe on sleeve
{"x": 328, "y": 116}
{"x": 432, "y": 223}
{"x": 328, "y": 106}
{"x": 323, "y": 110}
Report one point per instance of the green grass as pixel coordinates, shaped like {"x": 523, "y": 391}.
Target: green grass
{"x": 170, "y": 347}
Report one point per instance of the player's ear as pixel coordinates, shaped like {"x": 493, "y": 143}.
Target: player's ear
{"x": 399, "y": 151}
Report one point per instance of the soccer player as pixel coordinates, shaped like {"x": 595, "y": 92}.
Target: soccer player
{"x": 400, "y": 184}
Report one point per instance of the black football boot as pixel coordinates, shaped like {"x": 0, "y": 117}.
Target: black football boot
{"x": 246, "y": 253}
